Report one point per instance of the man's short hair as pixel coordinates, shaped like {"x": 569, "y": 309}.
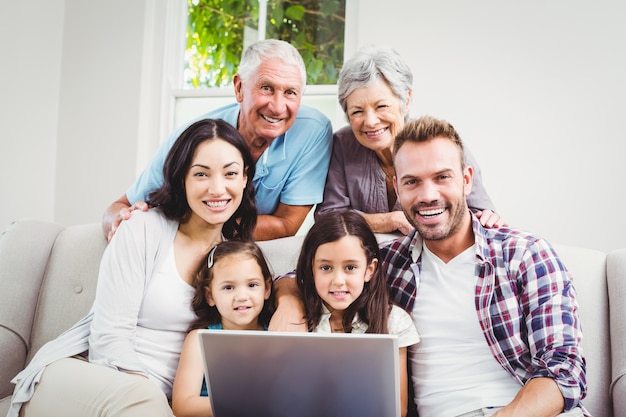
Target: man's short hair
{"x": 425, "y": 129}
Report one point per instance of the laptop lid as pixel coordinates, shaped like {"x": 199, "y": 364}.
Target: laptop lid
{"x": 275, "y": 374}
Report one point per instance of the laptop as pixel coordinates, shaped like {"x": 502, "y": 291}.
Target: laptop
{"x": 276, "y": 374}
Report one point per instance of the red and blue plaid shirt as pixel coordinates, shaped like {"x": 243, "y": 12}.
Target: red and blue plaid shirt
{"x": 525, "y": 302}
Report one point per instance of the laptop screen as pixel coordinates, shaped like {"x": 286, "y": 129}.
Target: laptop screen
{"x": 257, "y": 373}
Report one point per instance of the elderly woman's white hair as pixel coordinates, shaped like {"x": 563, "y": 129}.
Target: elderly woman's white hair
{"x": 371, "y": 64}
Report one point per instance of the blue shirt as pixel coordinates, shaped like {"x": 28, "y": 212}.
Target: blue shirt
{"x": 292, "y": 170}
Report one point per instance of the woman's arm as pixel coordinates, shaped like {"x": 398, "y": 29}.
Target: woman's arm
{"x": 118, "y": 300}
{"x": 336, "y": 187}
{"x": 186, "y": 399}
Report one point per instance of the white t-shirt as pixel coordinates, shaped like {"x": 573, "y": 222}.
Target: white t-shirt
{"x": 453, "y": 369}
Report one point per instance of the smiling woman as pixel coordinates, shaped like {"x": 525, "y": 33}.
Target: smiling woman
{"x": 131, "y": 339}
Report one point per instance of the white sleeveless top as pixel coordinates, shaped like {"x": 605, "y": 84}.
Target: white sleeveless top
{"x": 163, "y": 323}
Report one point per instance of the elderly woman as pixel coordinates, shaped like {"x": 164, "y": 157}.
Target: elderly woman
{"x": 375, "y": 94}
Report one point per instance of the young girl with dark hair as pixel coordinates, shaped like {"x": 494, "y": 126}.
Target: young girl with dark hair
{"x": 233, "y": 289}
{"x": 344, "y": 289}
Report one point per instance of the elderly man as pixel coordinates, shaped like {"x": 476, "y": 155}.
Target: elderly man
{"x": 290, "y": 143}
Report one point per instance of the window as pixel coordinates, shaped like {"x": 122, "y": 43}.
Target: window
{"x": 219, "y": 30}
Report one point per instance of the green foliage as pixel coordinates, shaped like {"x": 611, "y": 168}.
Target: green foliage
{"x": 215, "y": 37}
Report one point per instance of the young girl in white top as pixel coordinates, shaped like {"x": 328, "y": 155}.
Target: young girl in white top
{"x": 344, "y": 289}
{"x": 233, "y": 290}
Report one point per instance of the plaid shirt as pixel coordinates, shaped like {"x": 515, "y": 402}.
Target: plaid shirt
{"x": 525, "y": 302}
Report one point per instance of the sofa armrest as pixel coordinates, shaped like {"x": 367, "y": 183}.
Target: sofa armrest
{"x": 25, "y": 247}
{"x": 12, "y": 358}
{"x": 616, "y": 281}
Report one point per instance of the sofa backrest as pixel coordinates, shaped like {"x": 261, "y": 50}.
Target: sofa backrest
{"x": 70, "y": 277}
{"x": 588, "y": 270}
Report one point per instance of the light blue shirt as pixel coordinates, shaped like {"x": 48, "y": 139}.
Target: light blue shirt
{"x": 292, "y": 170}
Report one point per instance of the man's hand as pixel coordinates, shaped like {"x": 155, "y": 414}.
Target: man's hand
{"x": 490, "y": 220}
{"x": 289, "y": 315}
{"x": 118, "y": 211}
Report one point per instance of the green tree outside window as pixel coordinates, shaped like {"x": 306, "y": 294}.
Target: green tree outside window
{"x": 218, "y": 31}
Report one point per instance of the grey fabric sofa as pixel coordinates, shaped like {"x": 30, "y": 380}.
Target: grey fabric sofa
{"x": 48, "y": 274}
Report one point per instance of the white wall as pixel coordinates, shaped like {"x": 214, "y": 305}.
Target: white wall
{"x": 536, "y": 89}
{"x": 30, "y": 70}
{"x": 69, "y": 103}
{"x": 538, "y": 92}
{"x": 99, "y": 106}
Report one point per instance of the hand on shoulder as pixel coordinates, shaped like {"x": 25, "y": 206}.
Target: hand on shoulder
{"x": 123, "y": 213}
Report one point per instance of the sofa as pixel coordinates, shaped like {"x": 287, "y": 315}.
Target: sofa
{"x": 48, "y": 277}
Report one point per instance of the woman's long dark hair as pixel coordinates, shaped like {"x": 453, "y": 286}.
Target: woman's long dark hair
{"x": 208, "y": 315}
{"x": 373, "y": 305}
{"x": 171, "y": 197}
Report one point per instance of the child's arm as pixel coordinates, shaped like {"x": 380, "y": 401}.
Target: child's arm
{"x": 404, "y": 382}
{"x": 289, "y": 314}
{"x": 401, "y": 324}
{"x": 186, "y": 399}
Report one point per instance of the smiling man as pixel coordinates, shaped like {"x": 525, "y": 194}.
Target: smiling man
{"x": 495, "y": 308}
{"x": 290, "y": 143}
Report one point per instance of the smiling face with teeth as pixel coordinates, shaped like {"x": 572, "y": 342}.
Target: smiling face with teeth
{"x": 432, "y": 186}
{"x": 376, "y": 116}
{"x": 269, "y": 99}
{"x": 215, "y": 183}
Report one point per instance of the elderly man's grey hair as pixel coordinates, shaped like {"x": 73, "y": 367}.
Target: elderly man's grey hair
{"x": 371, "y": 64}
{"x": 264, "y": 50}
